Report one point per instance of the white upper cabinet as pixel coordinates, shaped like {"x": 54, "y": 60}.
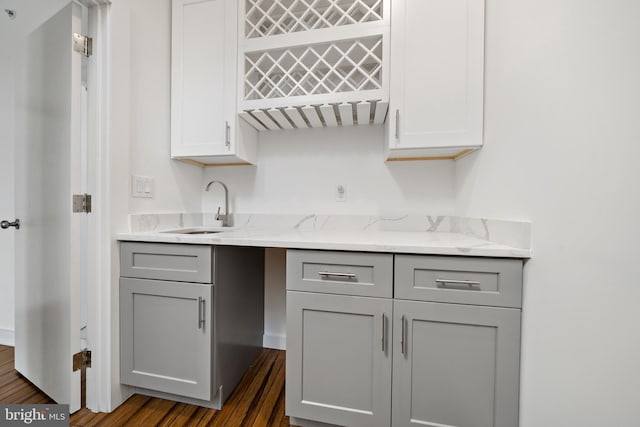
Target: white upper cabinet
{"x": 313, "y": 63}
{"x": 239, "y": 67}
{"x": 205, "y": 128}
{"x": 437, "y": 79}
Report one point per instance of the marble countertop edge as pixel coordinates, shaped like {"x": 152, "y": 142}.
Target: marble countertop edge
{"x": 408, "y": 242}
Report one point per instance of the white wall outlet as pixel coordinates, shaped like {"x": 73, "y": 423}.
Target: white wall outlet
{"x": 341, "y": 193}
{"x": 142, "y": 186}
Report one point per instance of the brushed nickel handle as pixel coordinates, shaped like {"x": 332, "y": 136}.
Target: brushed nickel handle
{"x": 201, "y": 312}
{"x": 384, "y": 332}
{"x": 402, "y": 336}
{"x": 444, "y": 282}
{"x": 227, "y": 135}
{"x": 397, "y": 124}
{"x": 6, "y": 224}
{"x": 336, "y": 274}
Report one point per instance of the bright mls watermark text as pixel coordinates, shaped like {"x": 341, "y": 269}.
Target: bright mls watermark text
{"x": 34, "y": 415}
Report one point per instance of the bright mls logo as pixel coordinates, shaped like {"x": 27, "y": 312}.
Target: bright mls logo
{"x": 34, "y": 415}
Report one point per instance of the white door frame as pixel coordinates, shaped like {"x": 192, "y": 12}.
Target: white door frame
{"x": 99, "y": 236}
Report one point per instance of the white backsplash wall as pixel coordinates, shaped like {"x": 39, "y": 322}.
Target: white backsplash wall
{"x": 562, "y": 133}
{"x": 298, "y": 171}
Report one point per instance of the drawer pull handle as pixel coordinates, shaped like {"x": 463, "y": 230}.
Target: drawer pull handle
{"x": 201, "y": 312}
{"x": 335, "y": 274}
{"x": 445, "y": 282}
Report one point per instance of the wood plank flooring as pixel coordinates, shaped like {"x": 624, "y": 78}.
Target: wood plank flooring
{"x": 257, "y": 401}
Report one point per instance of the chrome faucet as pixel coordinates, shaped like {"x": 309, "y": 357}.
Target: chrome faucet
{"x": 225, "y": 218}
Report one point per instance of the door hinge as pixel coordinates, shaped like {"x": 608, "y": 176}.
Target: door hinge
{"x": 81, "y": 360}
{"x": 81, "y": 203}
{"x": 83, "y": 44}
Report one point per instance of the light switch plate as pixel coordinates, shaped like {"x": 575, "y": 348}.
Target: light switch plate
{"x": 142, "y": 186}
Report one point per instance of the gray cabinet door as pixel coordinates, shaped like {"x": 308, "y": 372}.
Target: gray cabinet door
{"x": 339, "y": 359}
{"x": 455, "y": 365}
{"x": 166, "y": 333}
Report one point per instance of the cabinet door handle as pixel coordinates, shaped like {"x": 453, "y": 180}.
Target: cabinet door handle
{"x": 444, "y": 282}
{"x": 336, "y": 274}
{"x": 402, "y": 336}
{"x": 397, "y": 124}
{"x": 227, "y": 135}
{"x": 201, "y": 312}
{"x": 384, "y": 332}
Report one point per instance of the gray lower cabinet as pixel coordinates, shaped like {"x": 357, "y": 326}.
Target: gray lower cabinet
{"x": 168, "y": 339}
{"x": 191, "y": 318}
{"x": 455, "y": 365}
{"x": 339, "y": 358}
{"x": 453, "y": 336}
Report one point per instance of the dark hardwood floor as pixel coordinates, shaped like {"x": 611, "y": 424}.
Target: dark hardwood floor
{"x": 257, "y": 401}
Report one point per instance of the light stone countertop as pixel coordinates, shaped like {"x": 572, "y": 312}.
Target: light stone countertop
{"x": 366, "y": 239}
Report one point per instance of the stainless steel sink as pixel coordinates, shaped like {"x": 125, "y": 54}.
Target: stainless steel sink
{"x": 199, "y": 230}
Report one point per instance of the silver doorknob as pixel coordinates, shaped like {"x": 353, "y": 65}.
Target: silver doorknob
{"x": 6, "y": 224}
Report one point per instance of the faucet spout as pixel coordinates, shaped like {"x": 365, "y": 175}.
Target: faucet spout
{"x": 225, "y": 219}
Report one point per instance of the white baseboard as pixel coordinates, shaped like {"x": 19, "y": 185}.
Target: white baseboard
{"x": 7, "y": 337}
{"x": 278, "y": 342}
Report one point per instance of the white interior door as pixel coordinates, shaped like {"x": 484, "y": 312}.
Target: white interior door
{"x": 48, "y": 172}
{"x": 7, "y": 191}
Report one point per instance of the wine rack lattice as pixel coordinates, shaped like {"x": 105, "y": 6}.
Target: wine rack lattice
{"x": 335, "y": 67}
{"x": 272, "y": 17}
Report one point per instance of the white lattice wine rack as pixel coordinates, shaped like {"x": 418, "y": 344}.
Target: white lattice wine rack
{"x": 345, "y": 66}
{"x": 268, "y": 17}
{"x": 314, "y": 63}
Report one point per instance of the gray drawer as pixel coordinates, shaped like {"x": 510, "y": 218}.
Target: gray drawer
{"x": 166, "y": 261}
{"x": 461, "y": 280}
{"x": 346, "y": 273}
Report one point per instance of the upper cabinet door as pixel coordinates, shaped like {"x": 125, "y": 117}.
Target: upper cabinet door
{"x": 204, "y": 124}
{"x": 437, "y": 78}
